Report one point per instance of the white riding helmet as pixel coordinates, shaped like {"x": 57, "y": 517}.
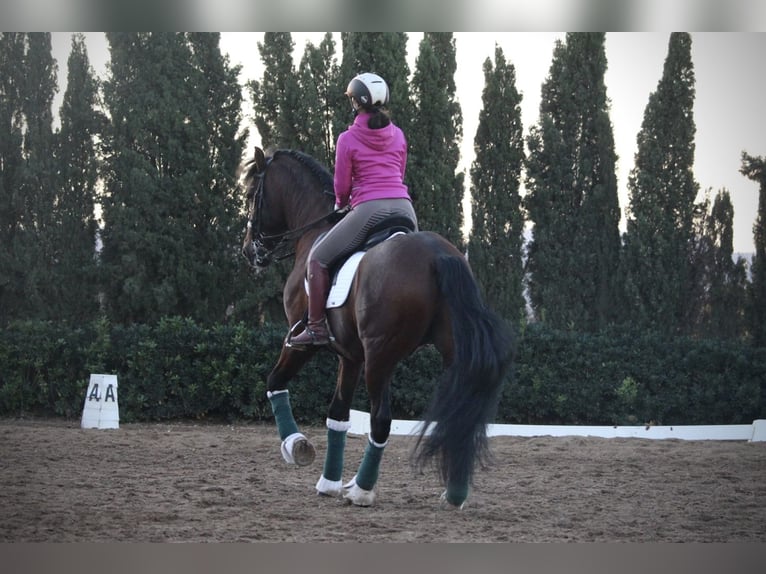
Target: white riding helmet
{"x": 370, "y": 90}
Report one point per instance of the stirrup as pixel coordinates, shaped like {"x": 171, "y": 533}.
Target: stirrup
{"x": 314, "y": 340}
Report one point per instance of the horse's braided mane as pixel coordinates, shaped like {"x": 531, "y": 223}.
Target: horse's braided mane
{"x": 316, "y": 168}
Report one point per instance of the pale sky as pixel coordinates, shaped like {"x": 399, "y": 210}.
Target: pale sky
{"x": 728, "y": 109}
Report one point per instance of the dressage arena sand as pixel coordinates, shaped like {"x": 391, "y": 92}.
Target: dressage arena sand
{"x": 186, "y": 482}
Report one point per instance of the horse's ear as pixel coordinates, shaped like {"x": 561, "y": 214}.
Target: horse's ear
{"x": 259, "y": 159}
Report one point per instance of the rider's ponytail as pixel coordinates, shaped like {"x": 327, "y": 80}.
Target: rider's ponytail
{"x": 379, "y": 118}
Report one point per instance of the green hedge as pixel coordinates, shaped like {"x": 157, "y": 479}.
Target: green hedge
{"x": 180, "y": 370}
{"x": 633, "y": 378}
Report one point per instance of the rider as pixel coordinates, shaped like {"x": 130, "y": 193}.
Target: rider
{"x": 370, "y": 160}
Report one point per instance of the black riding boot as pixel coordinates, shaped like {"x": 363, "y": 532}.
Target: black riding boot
{"x": 316, "y": 329}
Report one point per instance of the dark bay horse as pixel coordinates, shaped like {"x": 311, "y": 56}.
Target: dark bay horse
{"x": 411, "y": 290}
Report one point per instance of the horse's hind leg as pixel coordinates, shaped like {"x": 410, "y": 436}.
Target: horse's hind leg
{"x": 296, "y": 448}
{"x": 361, "y": 489}
{"x": 338, "y": 423}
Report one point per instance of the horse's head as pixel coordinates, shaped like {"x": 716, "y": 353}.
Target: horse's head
{"x": 288, "y": 195}
{"x": 258, "y": 244}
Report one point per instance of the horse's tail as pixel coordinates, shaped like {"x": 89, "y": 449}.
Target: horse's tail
{"x": 466, "y": 397}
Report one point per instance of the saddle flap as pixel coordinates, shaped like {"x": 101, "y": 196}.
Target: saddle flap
{"x": 341, "y": 283}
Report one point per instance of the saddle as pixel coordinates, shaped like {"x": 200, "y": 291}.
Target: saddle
{"x": 382, "y": 231}
{"x": 343, "y": 271}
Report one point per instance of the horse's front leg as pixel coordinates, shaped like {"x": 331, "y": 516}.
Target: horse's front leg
{"x": 296, "y": 448}
{"x": 338, "y": 424}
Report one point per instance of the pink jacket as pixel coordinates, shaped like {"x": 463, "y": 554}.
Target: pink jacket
{"x": 370, "y": 164}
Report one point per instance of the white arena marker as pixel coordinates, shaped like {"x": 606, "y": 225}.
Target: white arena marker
{"x": 101, "y": 409}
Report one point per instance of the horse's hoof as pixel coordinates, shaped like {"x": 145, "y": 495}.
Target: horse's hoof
{"x": 296, "y": 449}
{"x": 303, "y": 452}
{"x": 333, "y": 488}
{"x": 359, "y": 496}
{"x": 445, "y": 503}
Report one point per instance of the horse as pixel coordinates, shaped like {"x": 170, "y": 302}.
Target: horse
{"x": 411, "y": 290}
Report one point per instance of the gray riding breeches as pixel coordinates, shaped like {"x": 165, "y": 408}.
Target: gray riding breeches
{"x": 351, "y": 231}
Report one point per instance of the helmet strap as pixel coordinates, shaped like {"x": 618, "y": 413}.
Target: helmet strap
{"x": 355, "y": 107}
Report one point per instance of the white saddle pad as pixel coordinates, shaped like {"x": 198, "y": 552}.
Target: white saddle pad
{"x": 341, "y": 284}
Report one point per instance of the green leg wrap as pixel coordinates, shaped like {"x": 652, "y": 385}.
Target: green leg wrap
{"x": 367, "y": 475}
{"x": 333, "y": 463}
{"x": 283, "y": 413}
{"x": 456, "y": 493}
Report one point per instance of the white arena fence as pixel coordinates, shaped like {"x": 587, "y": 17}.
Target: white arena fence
{"x": 755, "y": 432}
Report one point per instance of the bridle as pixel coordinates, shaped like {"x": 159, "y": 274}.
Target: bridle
{"x": 261, "y": 249}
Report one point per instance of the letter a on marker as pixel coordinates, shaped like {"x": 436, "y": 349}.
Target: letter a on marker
{"x": 94, "y": 393}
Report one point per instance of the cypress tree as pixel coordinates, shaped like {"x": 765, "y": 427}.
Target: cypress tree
{"x": 729, "y": 279}
{"x": 170, "y": 197}
{"x": 718, "y": 298}
{"x": 217, "y": 215}
{"x": 276, "y": 96}
{"x": 437, "y": 188}
{"x": 37, "y": 249}
{"x": 139, "y": 207}
{"x": 496, "y": 238}
{"x": 662, "y": 193}
{"x": 754, "y": 168}
{"x": 597, "y": 176}
{"x": 572, "y": 192}
{"x": 12, "y": 207}
{"x": 74, "y": 235}
{"x": 280, "y": 112}
{"x": 318, "y": 81}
